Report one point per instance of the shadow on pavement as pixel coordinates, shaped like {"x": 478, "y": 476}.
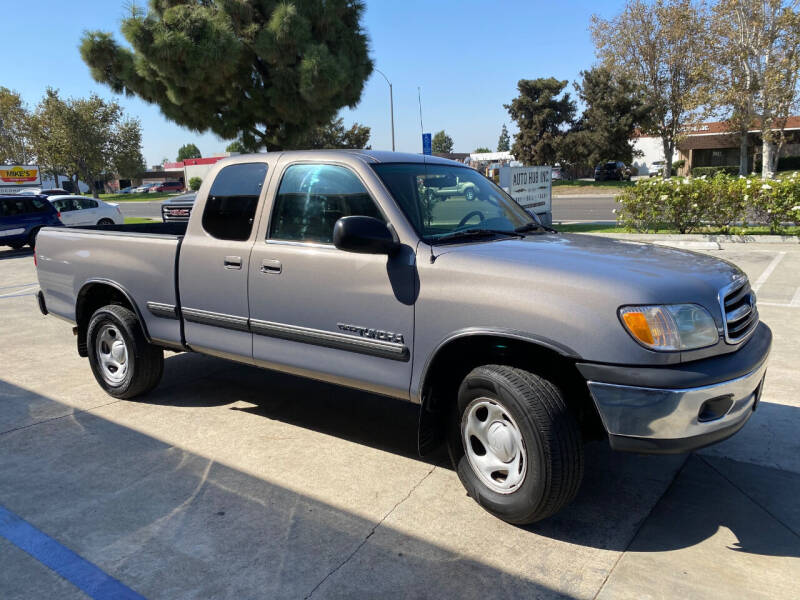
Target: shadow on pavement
{"x": 7, "y": 252}
{"x": 618, "y": 490}
{"x": 172, "y": 524}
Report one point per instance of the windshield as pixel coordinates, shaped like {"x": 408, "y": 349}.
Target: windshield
{"x": 440, "y": 200}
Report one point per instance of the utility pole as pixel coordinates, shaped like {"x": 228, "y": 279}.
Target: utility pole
{"x": 419, "y": 98}
{"x": 391, "y": 103}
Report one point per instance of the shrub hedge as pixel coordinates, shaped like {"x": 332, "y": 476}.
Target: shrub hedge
{"x": 721, "y": 201}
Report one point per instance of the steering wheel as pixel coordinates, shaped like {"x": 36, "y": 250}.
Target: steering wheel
{"x": 468, "y": 216}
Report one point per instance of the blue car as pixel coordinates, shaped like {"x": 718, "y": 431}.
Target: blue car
{"x": 21, "y": 217}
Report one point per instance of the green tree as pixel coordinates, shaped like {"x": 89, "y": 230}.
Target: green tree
{"x": 88, "y": 138}
{"x": 195, "y": 183}
{"x": 541, "y": 115}
{"x": 442, "y": 143}
{"x": 265, "y": 73}
{"x": 334, "y": 135}
{"x": 504, "y": 141}
{"x": 481, "y": 149}
{"x": 236, "y": 146}
{"x": 188, "y": 151}
{"x": 757, "y": 50}
{"x": 15, "y": 143}
{"x": 664, "y": 47}
{"x": 614, "y": 110}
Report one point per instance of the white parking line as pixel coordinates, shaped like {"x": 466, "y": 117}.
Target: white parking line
{"x": 796, "y": 298}
{"x": 16, "y": 293}
{"x": 768, "y": 271}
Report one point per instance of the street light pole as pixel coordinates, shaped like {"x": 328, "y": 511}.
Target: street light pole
{"x": 391, "y": 103}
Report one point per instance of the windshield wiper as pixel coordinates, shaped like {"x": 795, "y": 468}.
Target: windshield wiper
{"x": 534, "y": 226}
{"x": 475, "y": 232}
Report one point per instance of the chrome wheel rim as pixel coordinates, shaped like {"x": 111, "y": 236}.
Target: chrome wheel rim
{"x": 493, "y": 445}
{"x": 112, "y": 354}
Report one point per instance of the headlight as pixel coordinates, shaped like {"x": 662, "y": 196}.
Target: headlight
{"x": 670, "y": 326}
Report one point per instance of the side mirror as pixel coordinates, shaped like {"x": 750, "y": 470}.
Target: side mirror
{"x": 365, "y": 235}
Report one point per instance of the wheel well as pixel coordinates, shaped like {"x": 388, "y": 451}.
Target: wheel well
{"x": 458, "y": 357}
{"x": 91, "y": 297}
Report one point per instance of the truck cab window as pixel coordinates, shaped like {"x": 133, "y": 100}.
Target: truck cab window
{"x": 232, "y": 201}
{"x": 312, "y": 198}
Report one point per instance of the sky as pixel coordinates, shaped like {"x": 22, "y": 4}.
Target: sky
{"x": 465, "y": 56}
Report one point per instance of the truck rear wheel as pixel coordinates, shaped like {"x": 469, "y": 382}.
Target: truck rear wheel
{"x": 123, "y": 362}
{"x": 514, "y": 444}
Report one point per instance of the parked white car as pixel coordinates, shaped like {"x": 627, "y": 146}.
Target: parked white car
{"x": 80, "y": 210}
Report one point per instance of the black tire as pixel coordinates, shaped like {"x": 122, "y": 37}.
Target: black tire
{"x": 144, "y": 361}
{"x": 105, "y": 222}
{"x": 17, "y": 245}
{"x": 551, "y": 438}
{"x": 469, "y": 194}
{"x": 32, "y": 237}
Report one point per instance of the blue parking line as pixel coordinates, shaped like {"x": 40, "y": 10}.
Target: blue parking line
{"x": 79, "y": 572}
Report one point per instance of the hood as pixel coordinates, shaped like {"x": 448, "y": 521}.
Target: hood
{"x": 633, "y": 272}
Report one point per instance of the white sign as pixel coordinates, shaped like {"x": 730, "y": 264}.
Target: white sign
{"x": 20, "y": 175}
{"x": 530, "y": 187}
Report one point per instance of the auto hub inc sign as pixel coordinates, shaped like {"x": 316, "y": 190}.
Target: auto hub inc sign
{"x": 530, "y": 187}
{"x": 20, "y": 175}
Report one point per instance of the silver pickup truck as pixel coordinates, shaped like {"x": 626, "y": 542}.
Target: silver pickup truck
{"x": 518, "y": 343}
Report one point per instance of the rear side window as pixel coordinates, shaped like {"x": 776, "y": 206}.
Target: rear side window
{"x": 232, "y": 201}
{"x": 39, "y": 205}
{"x": 312, "y": 198}
{"x": 12, "y": 207}
{"x": 86, "y": 203}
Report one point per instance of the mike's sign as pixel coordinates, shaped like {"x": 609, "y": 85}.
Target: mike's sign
{"x": 20, "y": 175}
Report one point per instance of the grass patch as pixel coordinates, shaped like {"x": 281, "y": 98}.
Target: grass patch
{"x": 134, "y": 220}
{"x": 143, "y": 197}
{"x": 609, "y": 228}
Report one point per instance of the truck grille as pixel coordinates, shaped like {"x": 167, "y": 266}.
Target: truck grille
{"x": 739, "y": 310}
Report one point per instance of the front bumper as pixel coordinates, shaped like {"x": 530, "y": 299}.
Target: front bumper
{"x": 667, "y": 419}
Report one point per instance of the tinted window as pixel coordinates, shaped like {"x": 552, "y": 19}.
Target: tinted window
{"x": 11, "y": 207}
{"x": 232, "y": 201}
{"x": 86, "y": 203}
{"x": 39, "y": 205}
{"x": 312, "y": 198}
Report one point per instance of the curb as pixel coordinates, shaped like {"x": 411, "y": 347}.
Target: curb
{"x": 701, "y": 241}
{"x": 581, "y": 196}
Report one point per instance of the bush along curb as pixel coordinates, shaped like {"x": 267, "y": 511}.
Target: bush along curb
{"x": 722, "y": 201}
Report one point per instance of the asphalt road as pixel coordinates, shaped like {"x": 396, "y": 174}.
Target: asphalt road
{"x": 141, "y": 209}
{"x": 583, "y": 208}
{"x": 566, "y": 209}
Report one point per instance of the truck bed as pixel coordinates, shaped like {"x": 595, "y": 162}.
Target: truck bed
{"x": 140, "y": 260}
{"x": 170, "y": 229}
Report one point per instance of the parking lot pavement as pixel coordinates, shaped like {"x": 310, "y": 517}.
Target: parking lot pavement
{"x": 232, "y": 482}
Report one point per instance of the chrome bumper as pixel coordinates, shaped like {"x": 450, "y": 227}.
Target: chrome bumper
{"x": 676, "y": 420}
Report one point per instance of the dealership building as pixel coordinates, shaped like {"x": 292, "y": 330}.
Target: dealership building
{"x": 713, "y": 145}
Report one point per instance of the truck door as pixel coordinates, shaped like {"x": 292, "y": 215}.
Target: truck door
{"x": 214, "y": 260}
{"x": 322, "y": 312}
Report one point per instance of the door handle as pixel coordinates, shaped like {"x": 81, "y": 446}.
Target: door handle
{"x": 233, "y": 262}
{"x": 271, "y": 266}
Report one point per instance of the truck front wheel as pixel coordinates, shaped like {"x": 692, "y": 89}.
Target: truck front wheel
{"x": 123, "y": 362}
{"x": 514, "y": 444}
